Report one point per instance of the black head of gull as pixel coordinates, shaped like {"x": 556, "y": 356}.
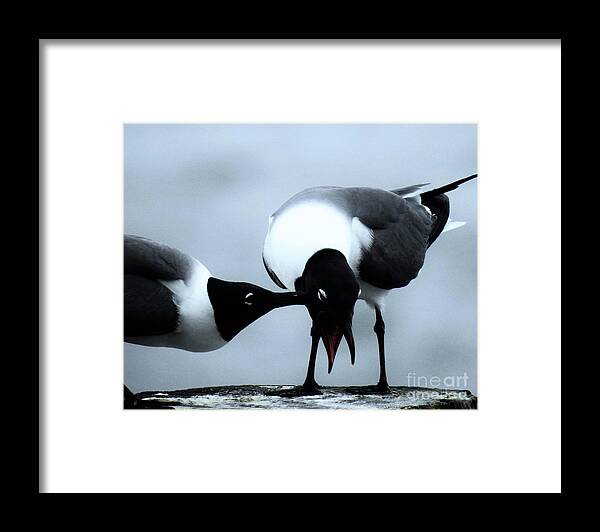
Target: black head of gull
{"x": 329, "y": 290}
{"x": 236, "y": 304}
{"x": 323, "y": 237}
{"x": 172, "y": 300}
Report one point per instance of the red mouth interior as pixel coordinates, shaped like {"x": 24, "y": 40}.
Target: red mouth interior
{"x": 332, "y": 342}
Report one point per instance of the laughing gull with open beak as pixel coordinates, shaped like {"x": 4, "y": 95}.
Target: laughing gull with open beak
{"x": 335, "y": 245}
{"x": 171, "y": 300}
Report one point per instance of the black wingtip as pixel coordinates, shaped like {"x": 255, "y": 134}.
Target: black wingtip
{"x": 465, "y": 179}
{"x": 448, "y": 187}
{"x": 456, "y": 184}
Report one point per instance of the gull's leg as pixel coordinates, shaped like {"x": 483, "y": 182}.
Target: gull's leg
{"x": 310, "y": 386}
{"x": 379, "y": 328}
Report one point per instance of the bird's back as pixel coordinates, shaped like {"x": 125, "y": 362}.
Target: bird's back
{"x": 382, "y": 235}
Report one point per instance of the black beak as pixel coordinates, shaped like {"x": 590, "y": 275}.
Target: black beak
{"x": 350, "y": 341}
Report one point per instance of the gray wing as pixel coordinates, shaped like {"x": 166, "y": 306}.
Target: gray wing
{"x": 154, "y": 260}
{"x": 400, "y": 227}
{"x": 149, "y": 309}
{"x": 411, "y": 189}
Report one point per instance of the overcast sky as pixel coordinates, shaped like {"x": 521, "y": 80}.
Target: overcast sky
{"x": 209, "y": 190}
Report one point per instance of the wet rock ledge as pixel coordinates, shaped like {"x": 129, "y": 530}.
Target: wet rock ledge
{"x": 278, "y": 396}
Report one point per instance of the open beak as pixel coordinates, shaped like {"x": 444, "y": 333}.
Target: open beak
{"x": 332, "y": 341}
{"x": 350, "y": 341}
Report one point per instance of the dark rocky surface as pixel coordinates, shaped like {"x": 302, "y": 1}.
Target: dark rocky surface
{"x": 277, "y": 396}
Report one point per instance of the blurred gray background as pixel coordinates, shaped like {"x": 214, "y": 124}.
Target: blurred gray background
{"x": 209, "y": 191}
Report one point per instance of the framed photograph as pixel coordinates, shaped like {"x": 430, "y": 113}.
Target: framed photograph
{"x": 270, "y": 262}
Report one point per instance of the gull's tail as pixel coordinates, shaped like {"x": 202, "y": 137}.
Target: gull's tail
{"x": 437, "y": 202}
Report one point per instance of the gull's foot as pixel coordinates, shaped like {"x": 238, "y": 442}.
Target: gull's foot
{"x": 299, "y": 391}
{"x": 309, "y": 388}
{"x": 383, "y": 388}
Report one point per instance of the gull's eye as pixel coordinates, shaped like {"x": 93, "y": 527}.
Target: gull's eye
{"x": 248, "y": 298}
{"x": 321, "y": 295}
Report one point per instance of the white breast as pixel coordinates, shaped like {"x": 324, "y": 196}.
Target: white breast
{"x": 304, "y": 228}
{"x": 373, "y": 296}
{"x": 197, "y": 330}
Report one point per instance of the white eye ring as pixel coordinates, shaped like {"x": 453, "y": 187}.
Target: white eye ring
{"x": 321, "y": 295}
{"x": 249, "y": 294}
